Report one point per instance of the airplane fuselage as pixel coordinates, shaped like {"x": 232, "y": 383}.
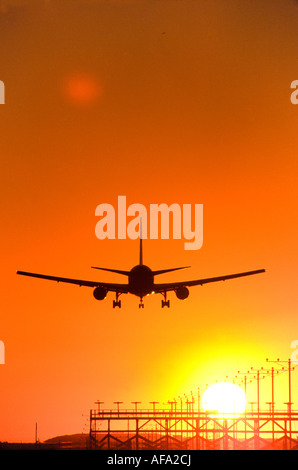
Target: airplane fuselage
{"x": 141, "y": 280}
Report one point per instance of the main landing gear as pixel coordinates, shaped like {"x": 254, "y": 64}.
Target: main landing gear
{"x": 165, "y": 303}
{"x": 117, "y": 303}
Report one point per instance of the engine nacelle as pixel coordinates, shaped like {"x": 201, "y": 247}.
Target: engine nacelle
{"x": 100, "y": 293}
{"x": 182, "y": 292}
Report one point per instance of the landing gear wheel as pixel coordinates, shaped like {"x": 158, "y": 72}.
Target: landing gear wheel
{"x": 117, "y": 303}
{"x": 165, "y": 303}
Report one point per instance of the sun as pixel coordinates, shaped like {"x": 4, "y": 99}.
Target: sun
{"x": 225, "y": 399}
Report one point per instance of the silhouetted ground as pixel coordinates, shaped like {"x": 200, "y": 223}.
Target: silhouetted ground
{"x": 72, "y": 442}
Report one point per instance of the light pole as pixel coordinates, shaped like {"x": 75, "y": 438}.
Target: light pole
{"x": 289, "y": 403}
{"x": 98, "y": 403}
{"x": 118, "y": 403}
{"x": 136, "y": 403}
{"x": 154, "y": 403}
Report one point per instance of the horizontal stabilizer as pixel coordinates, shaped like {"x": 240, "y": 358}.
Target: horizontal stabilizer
{"x": 162, "y": 271}
{"x": 118, "y": 271}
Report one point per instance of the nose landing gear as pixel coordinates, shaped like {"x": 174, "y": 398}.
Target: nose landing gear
{"x": 117, "y": 303}
{"x": 165, "y": 303}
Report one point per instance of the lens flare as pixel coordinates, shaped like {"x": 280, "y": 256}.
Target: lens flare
{"x": 82, "y": 89}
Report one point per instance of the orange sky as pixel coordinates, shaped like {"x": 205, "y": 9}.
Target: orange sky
{"x": 161, "y": 101}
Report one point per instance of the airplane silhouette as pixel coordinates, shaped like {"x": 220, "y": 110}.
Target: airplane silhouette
{"x": 140, "y": 282}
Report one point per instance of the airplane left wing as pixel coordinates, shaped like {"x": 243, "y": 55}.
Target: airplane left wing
{"x": 170, "y": 286}
{"x": 121, "y": 288}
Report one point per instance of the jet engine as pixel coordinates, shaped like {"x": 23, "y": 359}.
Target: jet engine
{"x": 100, "y": 293}
{"x": 182, "y": 292}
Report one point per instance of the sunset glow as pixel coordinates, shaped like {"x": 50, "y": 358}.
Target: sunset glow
{"x": 175, "y": 102}
{"x": 225, "y": 399}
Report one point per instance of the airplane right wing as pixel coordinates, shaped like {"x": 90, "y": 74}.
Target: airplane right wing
{"x": 172, "y": 286}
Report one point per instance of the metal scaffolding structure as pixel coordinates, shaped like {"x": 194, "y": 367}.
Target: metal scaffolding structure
{"x": 183, "y": 425}
{"x": 166, "y": 430}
